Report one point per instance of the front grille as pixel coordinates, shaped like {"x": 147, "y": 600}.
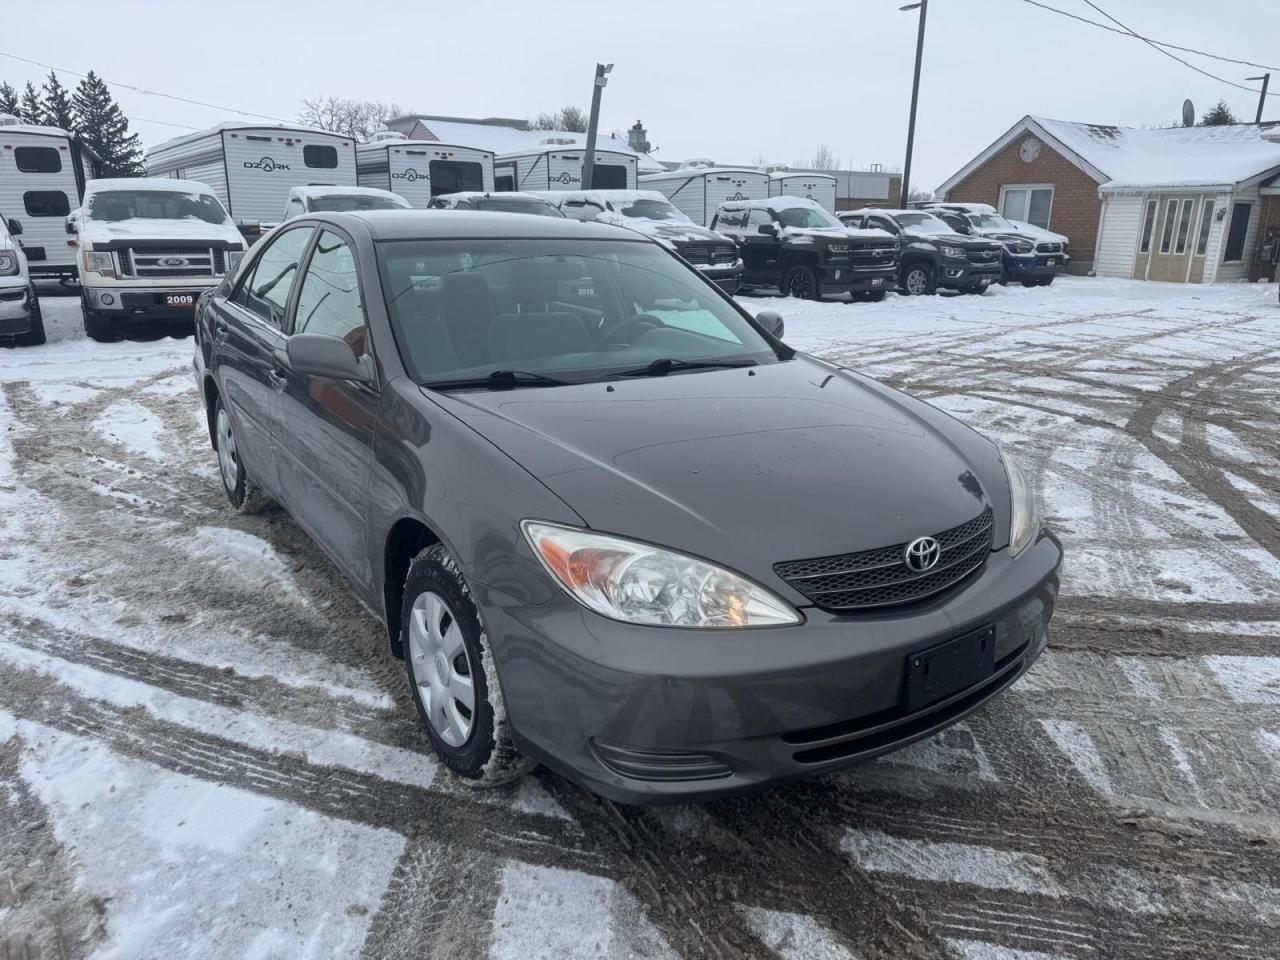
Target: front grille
{"x": 875, "y": 256}
{"x": 706, "y": 254}
{"x": 984, "y": 256}
{"x": 881, "y": 577}
{"x": 147, "y": 262}
{"x": 1048, "y": 248}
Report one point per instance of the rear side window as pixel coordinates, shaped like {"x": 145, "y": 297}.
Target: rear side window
{"x": 320, "y": 155}
{"x": 265, "y": 292}
{"x": 46, "y": 203}
{"x": 38, "y": 160}
{"x": 329, "y": 301}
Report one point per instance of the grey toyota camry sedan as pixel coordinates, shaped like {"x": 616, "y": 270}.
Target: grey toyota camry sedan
{"x": 613, "y": 523}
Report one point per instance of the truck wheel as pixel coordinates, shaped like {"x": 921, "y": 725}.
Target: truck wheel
{"x": 451, "y": 673}
{"x": 1044, "y": 281}
{"x": 800, "y": 281}
{"x": 100, "y": 328}
{"x": 977, "y": 290}
{"x": 242, "y": 492}
{"x": 35, "y": 336}
{"x": 917, "y": 280}
{"x": 1004, "y": 277}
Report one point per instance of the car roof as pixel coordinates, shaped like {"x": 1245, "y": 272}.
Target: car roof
{"x": 490, "y": 194}
{"x": 478, "y": 224}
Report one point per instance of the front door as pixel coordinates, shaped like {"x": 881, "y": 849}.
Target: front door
{"x": 323, "y": 428}
{"x": 1171, "y": 248}
{"x": 760, "y": 251}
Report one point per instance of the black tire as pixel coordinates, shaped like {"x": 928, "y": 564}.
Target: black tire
{"x": 1004, "y": 277}
{"x": 97, "y": 327}
{"x": 1044, "y": 281}
{"x": 242, "y": 493}
{"x": 1031, "y": 283}
{"x": 487, "y": 756}
{"x": 800, "y": 281}
{"x": 867, "y": 296}
{"x": 977, "y": 290}
{"x": 35, "y": 336}
{"x": 918, "y": 280}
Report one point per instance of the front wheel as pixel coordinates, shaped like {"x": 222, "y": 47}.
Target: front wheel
{"x": 99, "y": 328}
{"x": 918, "y": 280}
{"x": 1044, "y": 281}
{"x": 800, "y": 281}
{"x": 34, "y": 336}
{"x": 451, "y": 673}
{"x": 867, "y": 296}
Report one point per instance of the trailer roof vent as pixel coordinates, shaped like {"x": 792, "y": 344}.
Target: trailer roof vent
{"x": 558, "y": 142}
{"x": 383, "y": 135}
{"x": 699, "y": 162}
{"x": 8, "y": 120}
{"x": 776, "y": 168}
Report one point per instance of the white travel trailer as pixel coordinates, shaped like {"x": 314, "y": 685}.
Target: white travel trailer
{"x": 559, "y": 167}
{"x": 252, "y": 167}
{"x": 421, "y": 169}
{"x": 698, "y": 191}
{"x": 41, "y": 181}
{"x": 818, "y": 187}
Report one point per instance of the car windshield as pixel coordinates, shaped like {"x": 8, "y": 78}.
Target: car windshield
{"x": 338, "y": 202}
{"x": 922, "y": 223}
{"x": 539, "y": 208}
{"x": 117, "y": 205}
{"x": 990, "y": 221}
{"x": 647, "y": 209}
{"x": 806, "y": 217}
{"x": 573, "y": 310}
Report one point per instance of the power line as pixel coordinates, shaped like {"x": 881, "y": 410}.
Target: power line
{"x": 1158, "y": 44}
{"x": 146, "y": 93}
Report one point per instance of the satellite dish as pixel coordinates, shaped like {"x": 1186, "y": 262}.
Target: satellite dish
{"x": 1188, "y": 113}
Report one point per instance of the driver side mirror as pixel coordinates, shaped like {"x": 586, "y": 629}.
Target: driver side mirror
{"x": 768, "y": 229}
{"x": 771, "y": 320}
{"x": 318, "y": 355}
{"x": 15, "y": 228}
{"x": 71, "y": 224}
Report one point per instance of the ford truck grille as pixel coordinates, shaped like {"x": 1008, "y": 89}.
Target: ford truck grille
{"x": 171, "y": 262}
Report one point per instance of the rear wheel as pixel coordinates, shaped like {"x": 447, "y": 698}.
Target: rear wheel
{"x": 800, "y": 281}
{"x": 241, "y": 491}
{"x": 34, "y": 337}
{"x": 451, "y": 673}
{"x": 918, "y": 280}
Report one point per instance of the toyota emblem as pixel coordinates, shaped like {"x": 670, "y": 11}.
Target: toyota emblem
{"x": 922, "y": 554}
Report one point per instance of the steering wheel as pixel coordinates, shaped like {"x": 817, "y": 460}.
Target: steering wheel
{"x": 642, "y": 321}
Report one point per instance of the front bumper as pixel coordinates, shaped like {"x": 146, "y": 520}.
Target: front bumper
{"x": 1043, "y": 265}
{"x": 723, "y": 712}
{"x": 16, "y": 309}
{"x": 849, "y": 279}
{"x": 141, "y": 302}
{"x": 728, "y": 277}
{"x": 961, "y": 274}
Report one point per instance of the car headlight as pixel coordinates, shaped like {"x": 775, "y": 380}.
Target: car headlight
{"x": 952, "y": 251}
{"x": 1024, "y": 522}
{"x": 100, "y": 263}
{"x": 233, "y": 259}
{"x": 8, "y": 264}
{"x": 640, "y": 583}
{"x": 838, "y": 248}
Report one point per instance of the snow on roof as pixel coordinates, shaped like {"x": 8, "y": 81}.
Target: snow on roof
{"x": 601, "y": 197}
{"x": 243, "y": 125}
{"x": 701, "y": 170}
{"x": 772, "y": 203}
{"x": 502, "y": 139}
{"x": 497, "y": 194}
{"x": 783, "y": 174}
{"x": 331, "y": 191}
{"x": 145, "y": 183}
{"x": 32, "y": 128}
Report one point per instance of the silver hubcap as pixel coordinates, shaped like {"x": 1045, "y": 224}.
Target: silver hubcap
{"x": 916, "y": 282}
{"x": 228, "y": 458}
{"x": 441, "y": 669}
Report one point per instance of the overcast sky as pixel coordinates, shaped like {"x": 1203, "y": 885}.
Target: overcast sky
{"x": 726, "y": 79}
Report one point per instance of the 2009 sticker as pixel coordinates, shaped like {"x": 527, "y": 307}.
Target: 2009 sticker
{"x": 180, "y": 299}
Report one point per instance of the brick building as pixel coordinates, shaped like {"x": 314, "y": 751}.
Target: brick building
{"x": 1180, "y": 204}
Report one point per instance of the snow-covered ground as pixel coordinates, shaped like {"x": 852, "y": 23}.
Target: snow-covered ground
{"x": 205, "y": 751}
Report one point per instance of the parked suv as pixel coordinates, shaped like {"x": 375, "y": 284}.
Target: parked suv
{"x": 793, "y": 244}
{"x": 20, "y": 318}
{"x": 148, "y": 248}
{"x": 1022, "y": 262}
{"x": 651, "y": 213}
{"x": 317, "y": 198}
{"x": 933, "y": 254}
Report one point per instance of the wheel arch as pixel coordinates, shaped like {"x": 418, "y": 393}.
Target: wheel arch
{"x": 407, "y": 537}
{"x": 211, "y": 396}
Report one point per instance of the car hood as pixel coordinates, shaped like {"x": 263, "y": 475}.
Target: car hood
{"x": 106, "y": 231}
{"x": 793, "y": 460}
{"x": 671, "y": 231}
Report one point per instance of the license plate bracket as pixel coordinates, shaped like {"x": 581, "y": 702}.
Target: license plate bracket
{"x": 940, "y": 671}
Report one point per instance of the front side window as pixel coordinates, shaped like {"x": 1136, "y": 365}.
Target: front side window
{"x": 1206, "y": 221}
{"x": 811, "y": 217}
{"x": 758, "y": 218}
{"x": 46, "y": 203}
{"x": 329, "y": 301}
{"x": 320, "y": 155}
{"x": 117, "y": 205}
{"x": 1148, "y": 225}
{"x": 574, "y": 310}
{"x": 37, "y": 160}
{"x": 265, "y": 291}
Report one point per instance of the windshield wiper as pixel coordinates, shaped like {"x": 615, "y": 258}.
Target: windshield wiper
{"x": 664, "y": 365}
{"x": 499, "y": 380}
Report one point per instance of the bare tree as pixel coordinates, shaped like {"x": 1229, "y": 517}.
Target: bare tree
{"x": 918, "y": 195}
{"x": 823, "y": 159}
{"x": 570, "y": 118}
{"x": 358, "y": 119}
{"x": 760, "y": 160}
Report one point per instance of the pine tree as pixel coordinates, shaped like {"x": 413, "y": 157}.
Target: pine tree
{"x": 58, "y": 111}
{"x": 8, "y": 100}
{"x": 31, "y": 110}
{"x": 1219, "y": 115}
{"x": 104, "y": 129}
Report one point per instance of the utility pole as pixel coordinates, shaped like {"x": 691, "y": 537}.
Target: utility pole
{"x": 1262, "y": 97}
{"x": 923, "y": 6}
{"x": 589, "y": 161}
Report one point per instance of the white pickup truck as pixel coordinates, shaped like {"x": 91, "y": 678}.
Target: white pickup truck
{"x": 148, "y": 248}
{"x": 20, "y": 320}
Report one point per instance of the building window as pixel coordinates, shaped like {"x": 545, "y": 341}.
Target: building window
{"x": 37, "y": 160}
{"x": 320, "y": 155}
{"x": 1030, "y": 202}
{"x": 46, "y": 203}
{"x": 1206, "y": 221}
{"x": 1166, "y": 238}
{"x": 1184, "y": 226}
{"x": 1235, "y": 236}
{"x": 1148, "y": 225}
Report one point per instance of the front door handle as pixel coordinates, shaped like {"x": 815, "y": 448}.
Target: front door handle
{"x": 277, "y": 380}
{"x": 220, "y": 330}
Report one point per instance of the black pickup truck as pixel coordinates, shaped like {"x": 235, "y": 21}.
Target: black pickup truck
{"x": 933, "y": 255}
{"x": 793, "y": 244}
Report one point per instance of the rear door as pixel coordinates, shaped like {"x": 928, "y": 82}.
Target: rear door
{"x": 248, "y": 330}
{"x": 323, "y": 428}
